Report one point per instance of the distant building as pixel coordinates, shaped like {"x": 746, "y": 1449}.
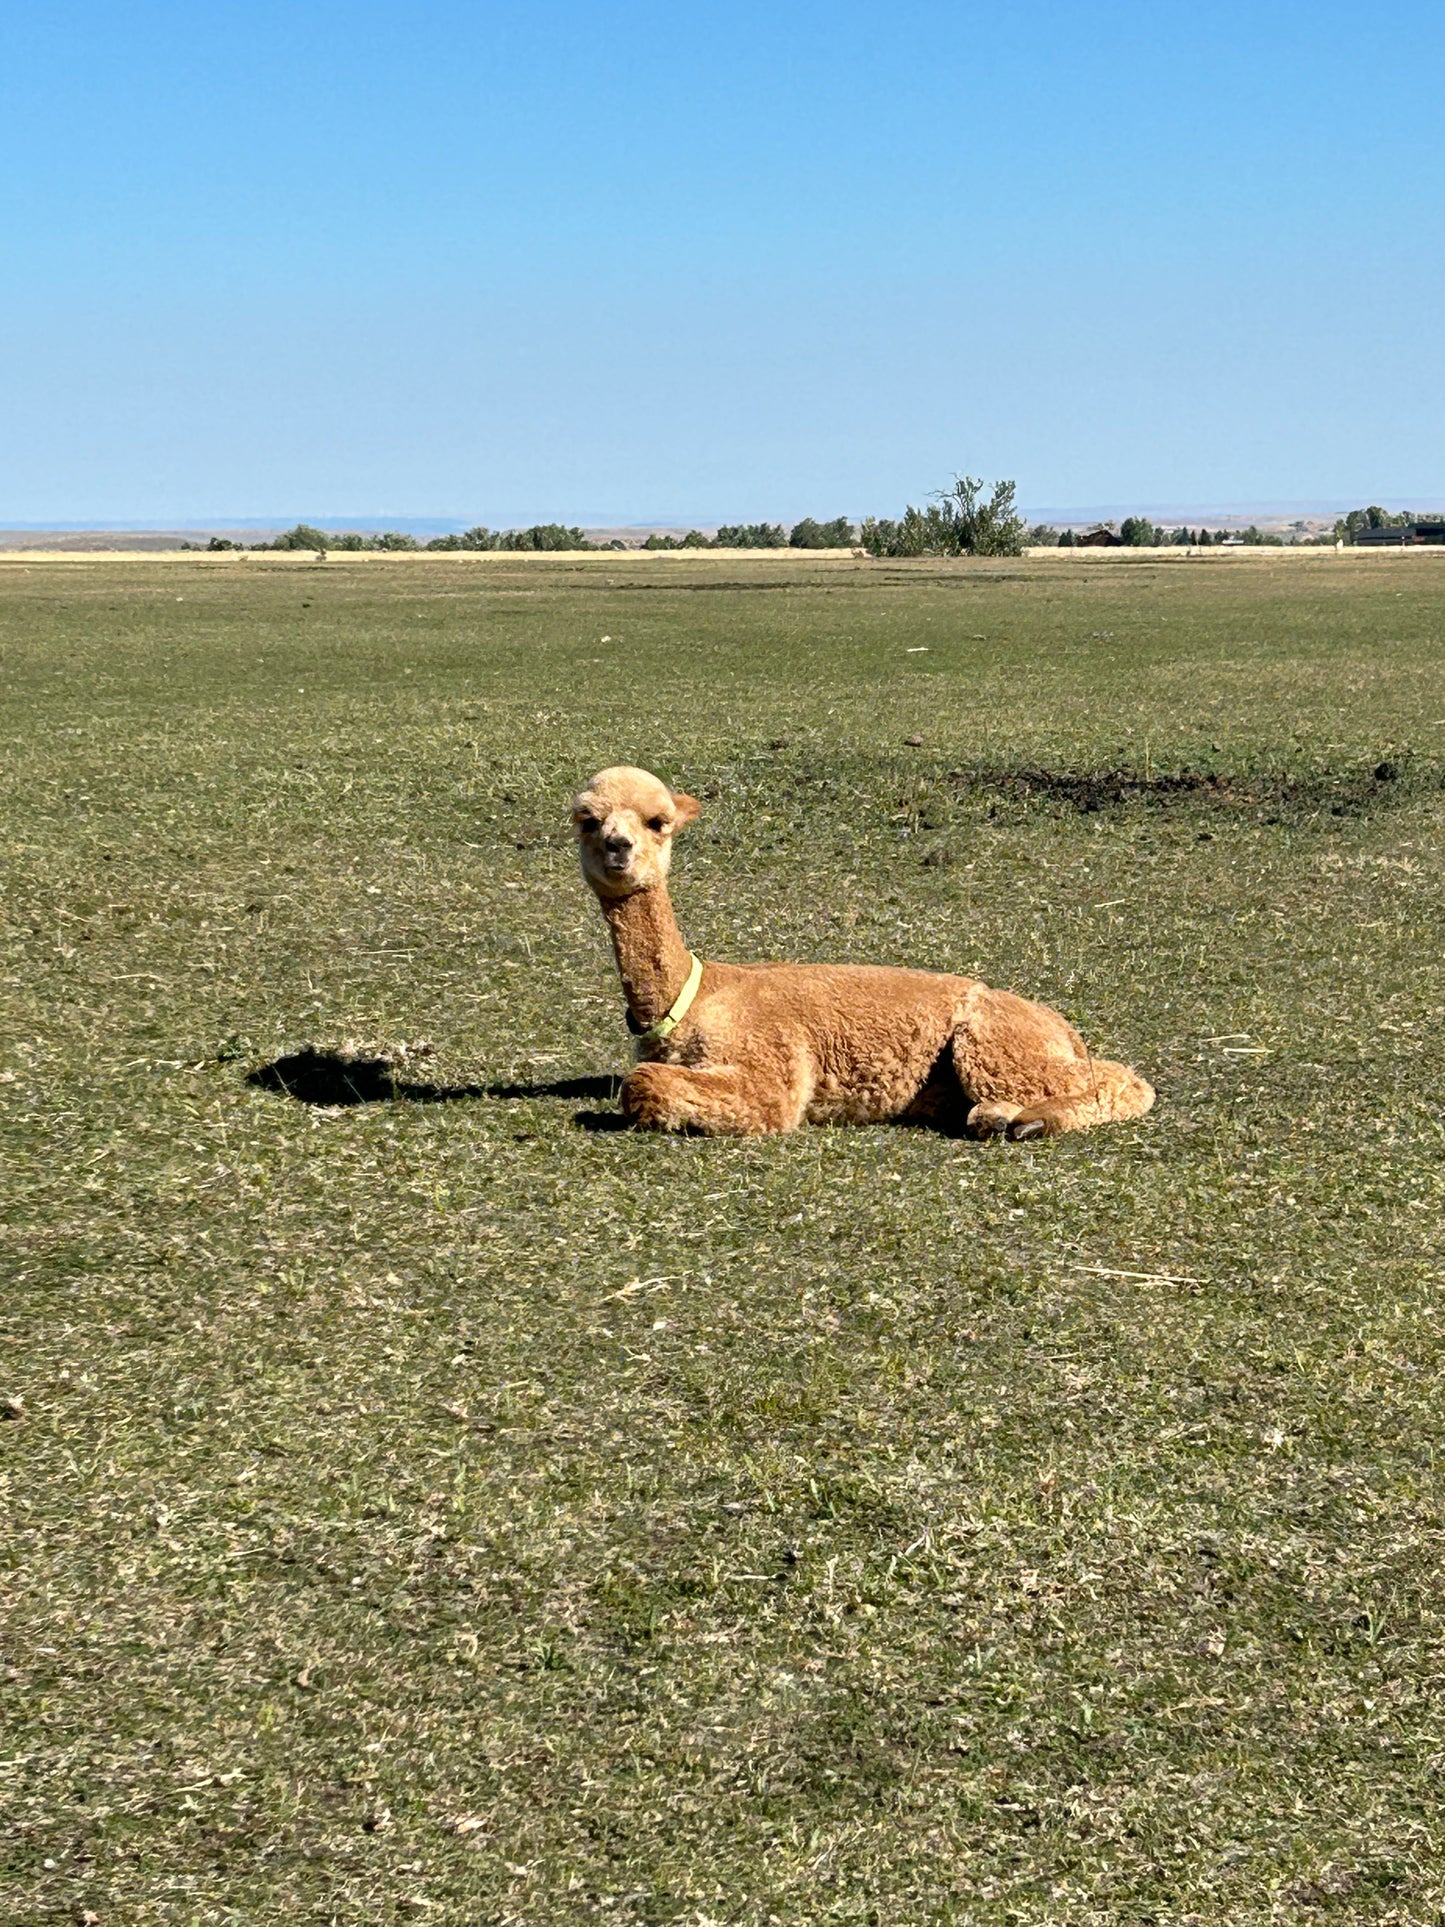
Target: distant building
{"x": 1099, "y": 538}
{"x": 1408, "y": 536}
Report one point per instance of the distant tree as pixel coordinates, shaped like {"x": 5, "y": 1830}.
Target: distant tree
{"x": 303, "y": 536}
{"x": 928, "y": 531}
{"x": 218, "y": 542}
{"x": 656, "y": 541}
{"x": 1067, "y": 539}
{"x": 811, "y": 534}
{"x": 393, "y": 540}
{"x": 752, "y": 535}
{"x": 959, "y": 521}
{"x": 1138, "y": 532}
{"x": 351, "y": 541}
{"x": 984, "y": 527}
{"x": 695, "y": 539}
{"x": 545, "y": 536}
{"x": 1043, "y": 536}
{"x": 1349, "y": 526}
{"x": 918, "y": 532}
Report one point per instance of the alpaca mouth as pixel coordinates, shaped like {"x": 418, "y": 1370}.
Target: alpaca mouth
{"x": 616, "y": 875}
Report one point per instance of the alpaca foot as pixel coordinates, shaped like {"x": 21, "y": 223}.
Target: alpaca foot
{"x": 990, "y": 1120}
{"x": 1046, "y": 1118}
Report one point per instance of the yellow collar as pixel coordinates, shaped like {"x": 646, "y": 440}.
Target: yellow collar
{"x": 665, "y": 1026}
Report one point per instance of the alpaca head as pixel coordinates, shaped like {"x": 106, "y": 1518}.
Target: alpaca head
{"x": 624, "y": 821}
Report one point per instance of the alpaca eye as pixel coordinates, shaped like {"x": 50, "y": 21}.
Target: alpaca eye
{"x": 657, "y": 824}
{"x": 587, "y": 824}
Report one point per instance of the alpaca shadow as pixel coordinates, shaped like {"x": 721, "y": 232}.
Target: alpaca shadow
{"x": 329, "y": 1080}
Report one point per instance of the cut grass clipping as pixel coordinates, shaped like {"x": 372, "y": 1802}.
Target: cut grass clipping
{"x": 425, "y": 1501}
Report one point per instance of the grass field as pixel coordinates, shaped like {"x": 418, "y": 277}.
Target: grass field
{"x": 442, "y": 1506}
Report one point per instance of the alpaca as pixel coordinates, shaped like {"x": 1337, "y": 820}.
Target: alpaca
{"x": 743, "y": 1049}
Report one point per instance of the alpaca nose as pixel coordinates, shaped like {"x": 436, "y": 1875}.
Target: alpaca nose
{"x": 617, "y": 845}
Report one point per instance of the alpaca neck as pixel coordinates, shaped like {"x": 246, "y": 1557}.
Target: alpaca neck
{"x": 652, "y": 959}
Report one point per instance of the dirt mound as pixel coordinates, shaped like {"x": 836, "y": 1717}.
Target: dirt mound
{"x": 1346, "y": 792}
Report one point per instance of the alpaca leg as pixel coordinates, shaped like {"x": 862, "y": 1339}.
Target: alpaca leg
{"x": 1027, "y": 1073}
{"x": 721, "y": 1102}
{"x": 1113, "y": 1092}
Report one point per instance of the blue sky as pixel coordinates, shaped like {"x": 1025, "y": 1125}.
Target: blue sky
{"x": 618, "y": 262}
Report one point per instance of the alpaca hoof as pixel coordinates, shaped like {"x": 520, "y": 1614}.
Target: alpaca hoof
{"x": 988, "y": 1120}
{"x": 1024, "y": 1128}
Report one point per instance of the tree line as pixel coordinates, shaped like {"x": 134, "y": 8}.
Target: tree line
{"x": 807, "y": 534}
{"x": 973, "y": 517}
{"x": 1353, "y": 524}
{"x": 551, "y": 537}
{"x": 963, "y": 520}
{"x": 1138, "y": 532}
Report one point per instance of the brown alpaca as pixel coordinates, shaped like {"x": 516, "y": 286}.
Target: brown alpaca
{"x": 748, "y": 1048}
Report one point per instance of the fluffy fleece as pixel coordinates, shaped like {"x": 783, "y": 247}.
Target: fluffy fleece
{"x": 766, "y": 1047}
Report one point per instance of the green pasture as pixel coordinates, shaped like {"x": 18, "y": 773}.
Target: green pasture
{"x": 424, "y": 1501}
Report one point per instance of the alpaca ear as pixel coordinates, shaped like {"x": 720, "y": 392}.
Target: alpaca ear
{"x": 687, "y": 807}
